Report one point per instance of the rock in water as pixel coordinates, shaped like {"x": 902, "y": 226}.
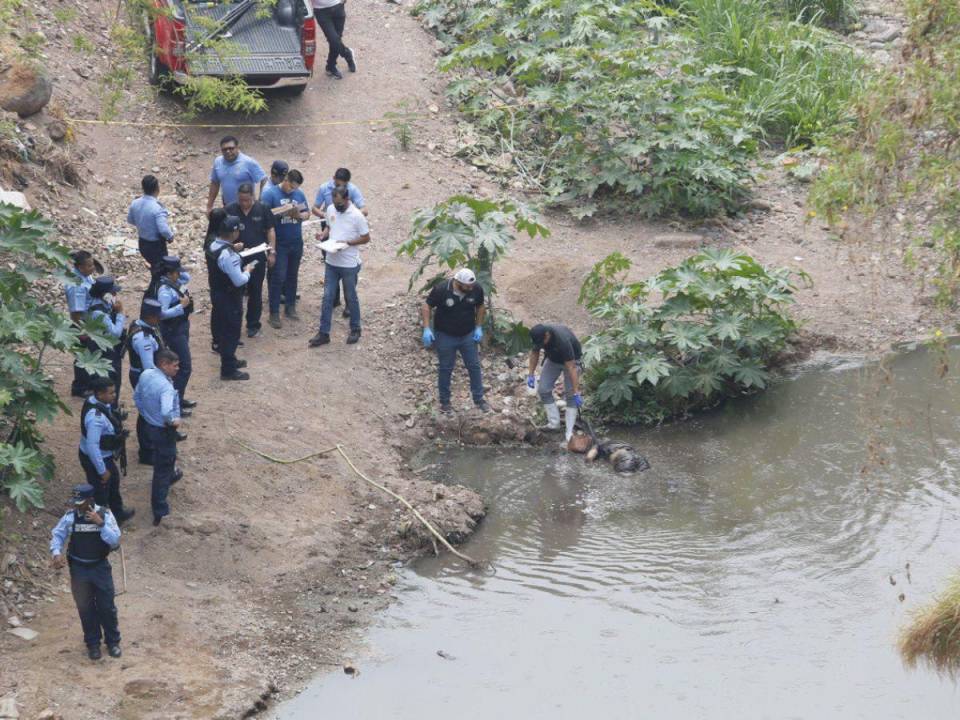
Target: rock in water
{"x": 579, "y": 443}
{"x": 24, "y": 90}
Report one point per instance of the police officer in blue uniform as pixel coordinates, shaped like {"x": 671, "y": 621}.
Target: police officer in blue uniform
{"x": 159, "y": 404}
{"x": 92, "y": 532}
{"x": 103, "y": 441}
{"x": 227, "y": 281}
{"x": 78, "y": 302}
{"x": 176, "y": 305}
{"x": 143, "y": 341}
{"x": 107, "y": 309}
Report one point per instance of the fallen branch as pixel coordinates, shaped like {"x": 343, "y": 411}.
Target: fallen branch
{"x": 281, "y": 461}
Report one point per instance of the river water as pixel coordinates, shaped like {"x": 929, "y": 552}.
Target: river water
{"x": 754, "y": 572}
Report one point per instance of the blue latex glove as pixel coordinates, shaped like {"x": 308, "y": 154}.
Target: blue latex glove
{"x": 428, "y": 337}
{"x": 531, "y": 381}
{"x": 477, "y": 334}
{"x": 578, "y": 400}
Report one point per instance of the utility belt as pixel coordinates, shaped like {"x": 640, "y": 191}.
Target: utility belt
{"x": 174, "y": 325}
{"x": 86, "y": 563}
{"x": 116, "y": 445}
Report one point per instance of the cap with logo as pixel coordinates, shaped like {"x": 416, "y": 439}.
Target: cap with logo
{"x": 465, "y": 276}
{"x": 103, "y": 285}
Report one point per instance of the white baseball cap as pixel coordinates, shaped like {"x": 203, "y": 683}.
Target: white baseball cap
{"x": 465, "y": 276}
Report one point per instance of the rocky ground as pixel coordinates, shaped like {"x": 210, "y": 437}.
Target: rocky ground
{"x": 265, "y": 571}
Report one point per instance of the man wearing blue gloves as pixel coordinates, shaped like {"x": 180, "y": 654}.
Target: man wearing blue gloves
{"x": 458, "y": 319}
{"x": 562, "y": 355}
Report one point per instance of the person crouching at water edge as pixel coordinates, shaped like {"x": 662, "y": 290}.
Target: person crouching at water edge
{"x": 562, "y": 353}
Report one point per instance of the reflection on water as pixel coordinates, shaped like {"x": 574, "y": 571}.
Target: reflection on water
{"x": 754, "y": 572}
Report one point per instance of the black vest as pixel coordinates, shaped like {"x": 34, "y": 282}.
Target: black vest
{"x": 107, "y": 442}
{"x": 219, "y": 280}
{"x": 86, "y": 545}
{"x": 136, "y": 364}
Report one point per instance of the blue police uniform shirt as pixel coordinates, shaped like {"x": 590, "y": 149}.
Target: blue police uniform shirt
{"x": 144, "y": 346}
{"x": 78, "y": 296}
{"x": 97, "y": 425}
{"x": 156, "y": 398}
{"x": 109, "y": 533}
{"x": 150, "y": 217}
{"x": 230, "y": 263}
{"x": 169, "y": 300}
{"x": 100, "y": 310}
{"x": 232, "y": 175}
{"x": 289, "y": 231}
{"x": 324, "y": 197}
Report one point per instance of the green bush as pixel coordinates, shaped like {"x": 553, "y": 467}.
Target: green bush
{"x": 904, "y": 150}
{"x": 718, "y": 320}
{"x": 30, "y": 330}
{"x": 594, "y": 103}
{"x": 793, "y": 79}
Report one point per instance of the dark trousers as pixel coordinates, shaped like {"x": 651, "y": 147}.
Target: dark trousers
{"x": 81, "y": 378}
{"x": 332, "y": 20}
{"x": 447, "y": 348}
{"x": 176, "y": 336}
{"x": 153, "y": 250}
{"x": 106, "y": 493}
{"x": 164, "y": 443}
{"x": 227, "y": 321}
{"x": 332, "y": 278}
{"x": 284, "y": 275}
{"x": 255, "y": 295}
{"x": 92, "y": 587}
{"x": 143, "y": 439}
{"x": 115, "y": 355}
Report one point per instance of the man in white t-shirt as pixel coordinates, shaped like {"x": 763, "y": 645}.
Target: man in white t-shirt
{"x": 346, "y": 225}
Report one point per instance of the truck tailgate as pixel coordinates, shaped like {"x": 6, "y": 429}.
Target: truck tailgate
{"x": 254, "y": 46}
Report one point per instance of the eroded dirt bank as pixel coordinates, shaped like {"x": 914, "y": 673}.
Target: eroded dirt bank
{"x": 264, "y": 572}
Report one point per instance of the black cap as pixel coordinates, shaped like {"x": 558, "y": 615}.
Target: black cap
{"x": 82, "y": 493}
{"x": 103, "y": 285}
{"x": 538, "y": 334}
{"x": 169, "y": 263}
{"x": 231, "y": 223}
{"x": 150, "y": 307}
{"x": 279, "y": 167}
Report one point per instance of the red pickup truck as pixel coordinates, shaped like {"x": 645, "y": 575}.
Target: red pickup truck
{"x": 269, "y": 43}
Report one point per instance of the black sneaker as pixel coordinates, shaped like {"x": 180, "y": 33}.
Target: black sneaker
{"x": 253, "y": 332}
{"x": 241, "y": 364}
{"x": 334, "y": 73}
{"x": 483, "y": 406}
{"x": 181, "y": 436}
{"x": 186, "y": 412}
{"x": 114, "y": 651}
{"x": 319, "y": 339}
{"x": 188, "y": 403}
{"x": 93, "y": 652}
{"x": 177, "y": 476}
{"x": 237, "y": 375}
{"x": 446, "y": 409}
{"x": 354, "y": 337}
{"x": 351, "y": 59}
{"x": 345, "y": 314}
{"x": 157, "y": 520}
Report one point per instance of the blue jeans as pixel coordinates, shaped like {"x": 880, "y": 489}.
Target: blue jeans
{"x": 92, "y": 588}
{"x": 282, "y": 278}
{"x": 332, "y": 277}
{"x": 447, "y": 347}
{"x": 164, "y": 467}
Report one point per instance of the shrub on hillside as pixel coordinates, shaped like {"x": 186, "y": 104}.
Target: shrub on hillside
{"x": 685, "y": 339}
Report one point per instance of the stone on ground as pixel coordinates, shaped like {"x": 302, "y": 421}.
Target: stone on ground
{"x": 24, "y": 90}
{"x": 24, "y": 634}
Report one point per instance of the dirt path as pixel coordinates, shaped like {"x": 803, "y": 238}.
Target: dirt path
{"x": 263, "y": 571}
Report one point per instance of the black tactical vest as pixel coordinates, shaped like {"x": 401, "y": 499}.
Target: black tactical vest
{"x": 219, "y": 280}
{"x": 86, "y": 545}
{"x": 107, "y": 442}
{"x": 136, "y": 364}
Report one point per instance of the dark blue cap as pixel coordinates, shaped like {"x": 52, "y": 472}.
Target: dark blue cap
{"x": 170, "y": 263}
{"x": 82, "y": 492}
{"x": 149, "y": 307}
{"x": 230, "y": 224}
{"x": 103, "y": 285}
{"x": 279, "y": 167}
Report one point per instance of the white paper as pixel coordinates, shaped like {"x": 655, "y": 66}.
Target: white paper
{"x": 332, "y": 246}
{"x": 254, "y": 250}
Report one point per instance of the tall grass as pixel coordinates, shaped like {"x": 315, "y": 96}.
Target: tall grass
{"x": 793, "y": 79}
{"x": 837, "y": 14}
{"x": 933, "y": 635}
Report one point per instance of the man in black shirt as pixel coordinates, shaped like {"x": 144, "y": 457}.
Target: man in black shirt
{"x": 458, "y": 319}
{"x": 562, "y": 353}
{"x": 256, "y": 228}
